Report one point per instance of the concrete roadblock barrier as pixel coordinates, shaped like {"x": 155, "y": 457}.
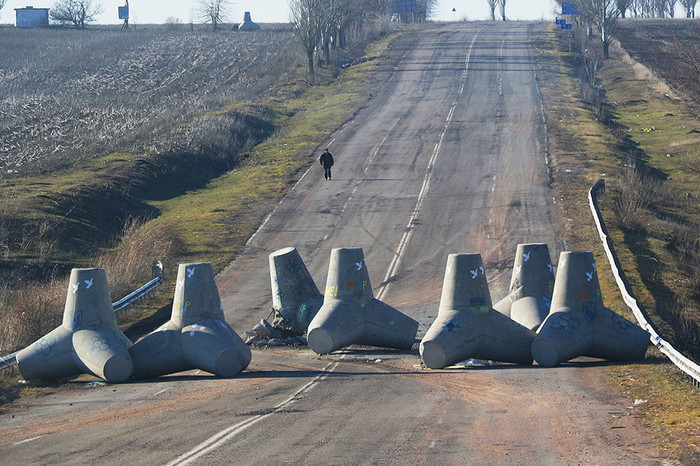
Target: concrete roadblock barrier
{"x": 531, "y": 286}
{"x": 88, "y": 340}
{"x": 351, "y": 314}
{"x": 196, "y": 336}
{"x": 295, "y": 296}
{"x": 579, "y": 324}
{"x": 467, "y": 326}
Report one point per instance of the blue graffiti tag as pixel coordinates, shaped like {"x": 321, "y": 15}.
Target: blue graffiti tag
{"x": 45, "y": 345}
{"x": 566, "y": 323}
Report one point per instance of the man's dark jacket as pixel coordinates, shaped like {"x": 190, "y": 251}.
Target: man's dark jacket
{"x": 326, "y": 160}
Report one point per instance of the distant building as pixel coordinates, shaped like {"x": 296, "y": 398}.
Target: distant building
{"x": 30, "y": 17}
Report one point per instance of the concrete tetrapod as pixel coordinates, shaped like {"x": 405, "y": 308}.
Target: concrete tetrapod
{"x": 88, "y": 340}
{"x": 248, "y": 24}
{"x": 196, "y": 336}
{"x": 531, "y": 285}
{"x": 579, "y": 324}
{"x": 467, "y": 326}
{"x": 351, "y": 314}
{"x": 294, "y": 293}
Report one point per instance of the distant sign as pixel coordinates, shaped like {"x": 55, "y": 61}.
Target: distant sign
{"x": 559, "y": 22}
{"x": 123, "y": 12}
{"x": 403, "y": 6}
{"x": 569, "y": 9}
{"x": 566, "y": 26}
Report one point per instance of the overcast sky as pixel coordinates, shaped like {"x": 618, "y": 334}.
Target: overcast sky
{"x": 274, "y": 11}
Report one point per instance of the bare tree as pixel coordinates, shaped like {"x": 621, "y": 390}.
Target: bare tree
{"x": 502, "y": 5}
{"x": 689, "y": 6}
{"x": 603, "y": 14}
{"x": 664, "y": 8}
{"x": 76, "y": 12}
{"x": 2, "y": 3}
{"x": 671, "y": 8}
{"x": 426, "y": 9}
{"x": 214, "y": 12}
{"x": 492, "y": 9}
{"x": 623, "y": 6}
{"x": 307, "y": 18}
{"x": 334, "y": 13}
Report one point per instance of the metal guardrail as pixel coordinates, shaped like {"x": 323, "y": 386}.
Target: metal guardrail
{"x": 8, "y": 361}
{"x": 157, "y": 271}
{"x": 682, "y": 362}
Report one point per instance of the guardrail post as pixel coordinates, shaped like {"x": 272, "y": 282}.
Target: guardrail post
{"x": 157, "y": 269}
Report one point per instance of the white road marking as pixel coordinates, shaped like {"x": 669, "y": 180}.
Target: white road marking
{"x": 217, "y": 440}
{"x": 406, "y": 238}
{"x": 500, "y": 68}
{"x": 543, "y": 114}
{"x": 28, "y": 440}
{"x": 162, "y": 391}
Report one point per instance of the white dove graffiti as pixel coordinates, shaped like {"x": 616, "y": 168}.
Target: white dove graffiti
{"x": 75, "y": 287}
{"x": 190, "y": 272}
{"x": 474, "y": 273}
{"x": 526, "y": 257}
{"x": 89, "y": 283}
{"x": 589, "y": 276}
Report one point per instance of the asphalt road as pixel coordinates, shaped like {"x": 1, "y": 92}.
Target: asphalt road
{"x": 448, "y": 157}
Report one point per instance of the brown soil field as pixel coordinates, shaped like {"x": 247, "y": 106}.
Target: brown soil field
{"x": 671, "y": 48}
{"x": 68, "y": 94}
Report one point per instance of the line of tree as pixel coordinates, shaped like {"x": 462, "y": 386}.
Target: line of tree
{"x": 323, "y": 25}
{"x": 601, "y": 14}
{"x": 640, "y": 8}
{"x": 604, "y": 14}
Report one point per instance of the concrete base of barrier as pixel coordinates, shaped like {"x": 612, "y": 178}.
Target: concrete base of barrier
{"x": 351, "y": 315}
{"x": 579, "y": 324}
{"x": 457, "y": 336}
{"x": 88, "y": 340}
{"x": 197, "y": 335}
{"x": 467, "y": 326}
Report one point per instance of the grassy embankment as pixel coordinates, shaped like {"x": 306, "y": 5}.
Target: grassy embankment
{"x": 584, "y": 149}
{"x": 212, "y": 220}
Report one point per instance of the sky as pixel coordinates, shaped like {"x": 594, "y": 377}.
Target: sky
{"x": 276, "y": 11}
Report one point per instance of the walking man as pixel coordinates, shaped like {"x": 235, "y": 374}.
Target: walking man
{"x": 327, "y": 161}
